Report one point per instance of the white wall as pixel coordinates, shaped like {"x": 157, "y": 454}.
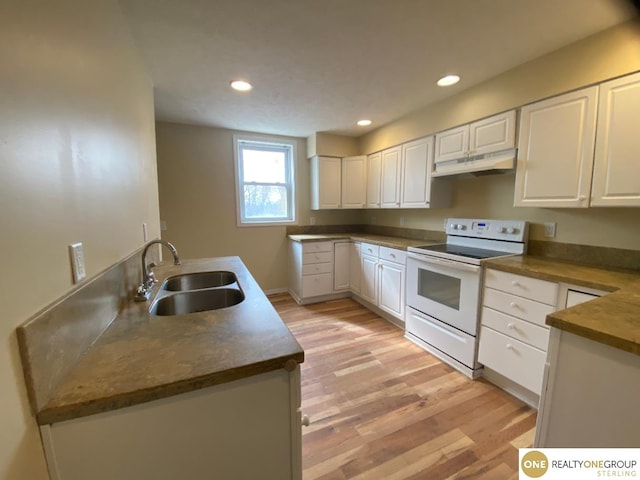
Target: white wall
{"x": 77, "y": 152}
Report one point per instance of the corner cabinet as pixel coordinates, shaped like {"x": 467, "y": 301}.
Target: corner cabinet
{"x": 616, "y": 169}
{"x": 555, "y": 151}
{"x": 338, "y": 182}
{"x": 248, "y": 428}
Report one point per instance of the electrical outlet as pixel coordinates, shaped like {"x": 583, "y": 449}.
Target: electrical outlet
{"x": 163, "y": 225}
{"x": 402, "y": 221}
{"x": 312, "y": 220}
{"x": 550, "y": 229}
{"x": 145, "y": 232}
{"x": 373, "y": 220}
{"x": 77, "y": 262}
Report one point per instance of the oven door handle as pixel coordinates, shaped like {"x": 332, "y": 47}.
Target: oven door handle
{"x": 445, "y": 263}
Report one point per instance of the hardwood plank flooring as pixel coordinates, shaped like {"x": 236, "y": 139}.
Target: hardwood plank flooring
{"x": 381, "y": 408}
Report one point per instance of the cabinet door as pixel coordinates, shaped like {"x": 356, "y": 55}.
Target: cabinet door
{"x": 390, "y": 178}
{"x": 374, "y": 162}
{"x": 555, "y": 151}
{"x": 354, "y": 182}
{"x": 493, "y": 134}
{"x": 391, "y": 290}
{"x": 417, "y": 164}
{"x": 341, "y": 266}
{"x": 616, "y": 175}
{"x": 325, "y": 182}
{"x": 355, "y": 267}
{"x": 369, "y": 279}
{"x": 452, "y": 144}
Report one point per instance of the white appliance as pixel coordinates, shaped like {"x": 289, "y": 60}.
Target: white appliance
{"x": 443, "y": 286}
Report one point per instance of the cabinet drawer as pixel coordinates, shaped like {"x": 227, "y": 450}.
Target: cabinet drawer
{"x": 369, "y": 249}
{"x": 515, "y": 360}
{"x": 519, "y": 329}
{"x": 315, "y": 268}
{"x": 314, "y": 247}
{"x": 531, "y": 288}
{"x": 534, "y": 312}
{"x": 321, "y": 257}
{"x": 393, "y": 255}
{"x": 314, "y": 285}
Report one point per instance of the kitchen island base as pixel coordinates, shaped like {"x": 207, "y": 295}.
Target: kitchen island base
{"x": 248, "y": 428}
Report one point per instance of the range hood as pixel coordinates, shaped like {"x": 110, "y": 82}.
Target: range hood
{"x": 492, "y": 163}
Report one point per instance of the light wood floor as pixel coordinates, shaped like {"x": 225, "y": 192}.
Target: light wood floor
{"x": 382, "y": 408}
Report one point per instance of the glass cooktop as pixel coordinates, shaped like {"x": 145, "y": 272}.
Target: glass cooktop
{"x": 461, "y": 251}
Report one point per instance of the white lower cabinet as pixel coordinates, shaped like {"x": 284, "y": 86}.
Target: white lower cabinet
{"x": 391, "y": 291}
{"x": 248, "y": 428}
{"x": 315, "y": 274}
{"x": 341, "y": 266}
{"x": 369, "y": 277}
{"x": 326, "y": 270}
{"x": 514, "y": 336}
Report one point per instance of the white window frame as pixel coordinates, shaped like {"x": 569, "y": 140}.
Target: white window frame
{"x": 267, "y": 141}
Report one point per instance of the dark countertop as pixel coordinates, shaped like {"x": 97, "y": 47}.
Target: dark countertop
{"x": 613, "y": 319}
{"x": 382, "y": 240}
{"x": 141, "y": 357}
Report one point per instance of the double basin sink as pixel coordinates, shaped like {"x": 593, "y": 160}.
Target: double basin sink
{"x": 197, "y": 292}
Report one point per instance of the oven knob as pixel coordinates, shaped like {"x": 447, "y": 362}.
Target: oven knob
{"x": 502, "y": 230}
{"x": 511, "y": 230}
{"x": 460, "y": 227}
{"x": 453, "y": 226}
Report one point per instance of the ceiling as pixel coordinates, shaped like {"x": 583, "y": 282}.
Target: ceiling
{"x": 321, "y": 65}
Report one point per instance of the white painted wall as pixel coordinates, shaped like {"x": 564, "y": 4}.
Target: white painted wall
{"x": 77, "y": 163}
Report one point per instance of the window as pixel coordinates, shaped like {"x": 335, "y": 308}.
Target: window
{"x": 265, "y": 180}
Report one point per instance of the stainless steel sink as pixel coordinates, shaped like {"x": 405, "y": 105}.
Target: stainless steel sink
{"x": 199, "y": 280}
{"x": 196, "y": 301}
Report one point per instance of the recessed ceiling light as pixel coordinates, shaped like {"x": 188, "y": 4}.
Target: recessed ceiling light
{"x": 364, "y": 123}
{"x": 241, "y": 85}
{"x": 448, "y": 80}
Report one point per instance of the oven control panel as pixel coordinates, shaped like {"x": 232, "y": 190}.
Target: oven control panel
{"x": 511, "y": 230}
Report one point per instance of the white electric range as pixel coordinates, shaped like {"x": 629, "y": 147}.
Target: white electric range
{"x": 444, "y": 286}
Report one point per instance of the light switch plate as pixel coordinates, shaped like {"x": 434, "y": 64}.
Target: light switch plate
{"x": 77, "y": 262}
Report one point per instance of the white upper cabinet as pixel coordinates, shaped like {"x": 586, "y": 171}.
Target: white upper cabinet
{"x": 374, "y": 162}
{"x": 417, "y": 163}
{"x": 452, "y": 144}
{"x": 616, "y": 175}
{"x": 354, "y": 182}
{"x": 493, "y": 134}
{"x": 419, "y": 189}
{"x": 555, "y": 151}
{"x": 326, "y": 184}
{"x": 391, "y": 166}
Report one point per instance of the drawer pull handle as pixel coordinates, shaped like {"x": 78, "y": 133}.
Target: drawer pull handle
{"x": 511, "y": 325}
{"x": 509, "y": 346}
{"x": 513, "y": 305}
{"x": 392, "y": 255}
{"x": 515, "y": 283}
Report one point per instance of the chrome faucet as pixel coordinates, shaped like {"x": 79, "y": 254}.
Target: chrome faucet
{"x": 148, "y": 279}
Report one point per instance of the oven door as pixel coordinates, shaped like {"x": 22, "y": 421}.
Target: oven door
{"x": 444, "y": 289}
